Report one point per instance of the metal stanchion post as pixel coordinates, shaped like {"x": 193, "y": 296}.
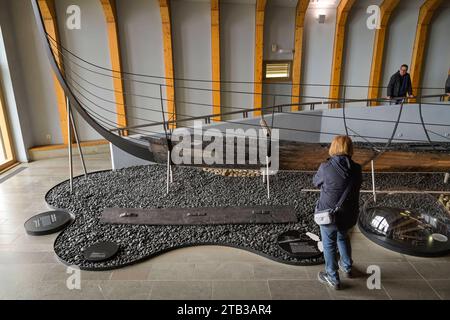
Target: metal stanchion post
{"x": 168, "y": 172}
{"x": 69, "y": 145}
{"x": 75, "y": 131}
{"x": 267, "y": 172}
{"x": 267, "y": 131}
{"x": 170, "y": 168}
{"x": 373, "y": 182}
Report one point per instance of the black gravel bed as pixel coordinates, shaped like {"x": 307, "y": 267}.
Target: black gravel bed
{"x": 145, "y": 186}
{"x": 406, "y": 182}
{"x": 438, "y": 147}
{"x": 385, "y": 181}
{"x": 419, "y": 203}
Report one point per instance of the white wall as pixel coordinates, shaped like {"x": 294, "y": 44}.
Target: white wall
{"x": 140, "y": 35}
{"x": 91, "y": 44}
{"x": 318, "y": 54}
{"x": 237, "y": 45}
{"x": 437, "y": 57}
{"x": 358, "y": 51}
{"x": 279, "y": 28}
{"x": 191, "y": 32}
{"x": 35, "y": 85}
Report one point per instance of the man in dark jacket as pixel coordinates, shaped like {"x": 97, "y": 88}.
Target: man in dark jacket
{"x": 400, "y": 85}
{"x": 332, "y": 178}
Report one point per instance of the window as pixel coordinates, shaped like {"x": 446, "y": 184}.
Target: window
{"x": 6, "y": 151}
{"x": 7, "y": 157}
{"x": 277, "y": 70}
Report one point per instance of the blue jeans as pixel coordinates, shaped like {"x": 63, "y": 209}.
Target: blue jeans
{"x": 334, "y": 239}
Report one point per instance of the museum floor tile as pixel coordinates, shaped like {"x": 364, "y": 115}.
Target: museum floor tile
{"x": 30, "y": 270}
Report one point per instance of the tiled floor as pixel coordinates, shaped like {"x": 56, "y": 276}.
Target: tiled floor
{"x": 29, "y": 269}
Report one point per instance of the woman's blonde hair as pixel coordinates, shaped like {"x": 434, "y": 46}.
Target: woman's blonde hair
{"x": 341, "y": 146}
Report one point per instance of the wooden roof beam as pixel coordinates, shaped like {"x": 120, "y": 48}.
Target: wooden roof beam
{"x": 302, "y": 6}
{"x": 259, "y": 54}
{"x": 48, "y": 12}
{"x": 215, "y": 58}
{"x": 110, "y": 12}
{"x": 426, "y": 13}
{"x": 166, "y": 20}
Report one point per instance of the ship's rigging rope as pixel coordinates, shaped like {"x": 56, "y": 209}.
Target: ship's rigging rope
{"x": 72, "y": 59}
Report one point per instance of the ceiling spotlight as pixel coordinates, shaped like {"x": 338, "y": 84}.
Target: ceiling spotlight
{"x": 323, "y": 3}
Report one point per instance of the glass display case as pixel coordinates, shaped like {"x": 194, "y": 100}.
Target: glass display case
{"x": 424, "y": 231}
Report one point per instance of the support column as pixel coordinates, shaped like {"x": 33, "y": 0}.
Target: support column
{"x": 166, "y": 20}
{"x": 215, "y": 57}
{"x": 343, "y": 11}
{"x": 259, "y": 54}
{"x": 302, "y": 6}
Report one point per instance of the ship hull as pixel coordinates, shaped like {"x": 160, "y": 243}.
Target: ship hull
{"x": 294, "y": 156}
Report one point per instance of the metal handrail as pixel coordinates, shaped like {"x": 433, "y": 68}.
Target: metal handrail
{"x": 262, "y": 109}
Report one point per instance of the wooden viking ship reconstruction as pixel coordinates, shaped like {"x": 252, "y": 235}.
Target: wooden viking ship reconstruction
{"x": 384, "y": 140}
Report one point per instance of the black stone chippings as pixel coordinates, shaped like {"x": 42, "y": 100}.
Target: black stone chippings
{"x": 145, "y": 187}
{"x": 426, "y": 204}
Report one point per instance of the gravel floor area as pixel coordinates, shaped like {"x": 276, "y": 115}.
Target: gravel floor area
{"x": 406, "y": 182}
{"x": 144, "y": 187}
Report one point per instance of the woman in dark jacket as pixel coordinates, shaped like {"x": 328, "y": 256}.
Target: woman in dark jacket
{"x": 333, "y": 178}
